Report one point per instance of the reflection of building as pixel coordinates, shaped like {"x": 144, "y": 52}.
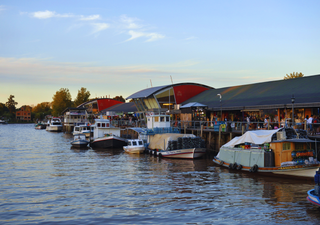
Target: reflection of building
{"x": 167, "y": 97}
{"x": 24, "y": 113}
{"x": 96, "y": 105}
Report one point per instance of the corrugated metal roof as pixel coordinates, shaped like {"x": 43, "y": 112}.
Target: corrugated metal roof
{"x": 267, "y": 94}
{"x": 150, "y": 91}
{"x": 125, "y": 107}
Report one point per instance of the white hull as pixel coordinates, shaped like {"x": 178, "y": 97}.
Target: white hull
{"x": 190, "y": 153}
{"x": 54, "y": 128}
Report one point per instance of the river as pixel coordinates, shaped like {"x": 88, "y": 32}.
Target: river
{"x": 44, "y": 181}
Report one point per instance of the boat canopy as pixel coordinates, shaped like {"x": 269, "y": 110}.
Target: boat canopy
{"x": 257, "y": 137}
{"x": 160, "y": 141}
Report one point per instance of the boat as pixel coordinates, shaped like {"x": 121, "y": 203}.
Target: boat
{"x": 106, "y": 135}
{"x": 40, "y": 126}
{"x": 3, "y": 122}
{"x": 314, "y": 194}
{"x": 54, "y": 125}
{"x": 79, "y": 141}
{"x": 283, "y": 152}
{"x": 82, "y": 129}
{"x": 179, "y": 146}
{"x": 134, "y": 146}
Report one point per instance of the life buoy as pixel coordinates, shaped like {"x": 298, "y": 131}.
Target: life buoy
{"x": 239, "y": 167}
{"x": 221, "y": 163}
{"x": 254, "y": 168}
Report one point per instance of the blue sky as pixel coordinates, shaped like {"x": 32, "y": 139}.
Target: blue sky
{"x": 121, "y": 47}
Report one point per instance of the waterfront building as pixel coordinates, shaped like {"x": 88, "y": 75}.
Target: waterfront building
{"x": 74, "y": 117}
{"x": 24, "y": 113}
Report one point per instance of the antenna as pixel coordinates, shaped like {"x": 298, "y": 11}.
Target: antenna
{"x": 151, "y": 82}
{"x": 171, "y": 79}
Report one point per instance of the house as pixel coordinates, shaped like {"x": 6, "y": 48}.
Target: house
{"x": 24, "y": 113}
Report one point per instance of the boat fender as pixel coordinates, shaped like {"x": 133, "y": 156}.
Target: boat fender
{"x": 221, "y": 163}
{"x": 254, "y": 168}
{"x": 230, "y": 165}
{"x": 234, "y": 166}
{"x": 239, "y": 167}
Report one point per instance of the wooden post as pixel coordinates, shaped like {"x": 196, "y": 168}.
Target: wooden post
{"x": 219, "y": 142}
{"x": 230, "y": 136}
{"x": 201, "y": 131}
{"x": 209, "y": 138}
{"x": 242, "y": 129}
{"x": 185, "y": 128}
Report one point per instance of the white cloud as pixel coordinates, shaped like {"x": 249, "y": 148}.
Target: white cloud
{"x": 93, "y": 17}
{"x": 190, "y": 38}
{"x": 48, "y": 14}
{"x": 129, "y": 23}
{"x": 150, "y": 36}
{"x": 97, "y": 27}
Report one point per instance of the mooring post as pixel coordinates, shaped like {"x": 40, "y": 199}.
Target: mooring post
{"x": 219, "y": 142}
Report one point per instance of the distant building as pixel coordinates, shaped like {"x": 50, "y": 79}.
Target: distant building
{"x": 24, "y": 113}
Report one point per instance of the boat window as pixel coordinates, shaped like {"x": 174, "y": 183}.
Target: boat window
{"x": 98, "y": 125}
{"x": 286, "y": 146}
{"x": 140, "y": 143}
{"x": 167, "y": 118}
{"x": 134, "y": 143}
{"x": 161, "y": 119}
{"x": 103, "y": 125}
{"x": 107, "y": 124}
{"x": 156, "y": 119}
{"x": 129, "y": 143}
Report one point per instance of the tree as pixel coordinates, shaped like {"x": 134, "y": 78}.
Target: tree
{"x": 41, "y": 110}
{"x": 293, "y": 75}
{"x": 83, "y": 96}
{"x": 3, "y": 109}
{"x": 61, "y": 101}
{"x": 11, "y": 104}
{"x": 119, "y": 98}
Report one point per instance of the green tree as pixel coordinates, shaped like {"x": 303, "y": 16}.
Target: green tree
{"x": 61, "y": 101}
{"x": 83, "y": 96}
{"x": 41, "y": 110}
{"x": 119, "y": 98}
{"x": 293, "y": 75}
{"x": 11, "y": 104}
{"x": 3, "y": 109}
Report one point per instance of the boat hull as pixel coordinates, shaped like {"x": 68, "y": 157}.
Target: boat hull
{"x": 54, "y": 128}
{"x": 108, "y": 142}
{"x": 80, "y": 143}
{"x": 133, "y": 150}
{"x": 190, "y": 153}
{"x": 298, "y": 171}
{"x": 314, "y": 199}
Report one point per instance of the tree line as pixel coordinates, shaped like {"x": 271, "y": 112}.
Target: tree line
{"x": 60, "y": 101}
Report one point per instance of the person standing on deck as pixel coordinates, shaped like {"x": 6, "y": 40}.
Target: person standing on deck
{"x": 309, "y": 123}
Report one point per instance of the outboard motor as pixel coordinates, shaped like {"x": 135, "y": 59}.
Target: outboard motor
{"x": 317, "y": 181}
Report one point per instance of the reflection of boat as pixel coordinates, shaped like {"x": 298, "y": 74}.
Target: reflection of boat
{"x": 134, "y": 146}
{"x": 82, "y": 129}
{"x": 106, "y": 136}
{"x": 79, "y": 141}
{"x": 54, "y": 125}
{"x": 40, "y": 126}
{"x": 314, "y": 194}
{"x": 269, "y": 152}
{"x": 182, "y": 146}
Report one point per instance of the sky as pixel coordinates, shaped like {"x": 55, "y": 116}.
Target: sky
{"x": 115, "y": 48}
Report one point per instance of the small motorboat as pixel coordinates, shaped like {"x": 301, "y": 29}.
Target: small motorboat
{"x": 54, "y": 125}
{"x": 314, "y": 194}
{"x": 134, "y": 146}
{"x": 40, "y": 126}
{"x": 79, "y": 141}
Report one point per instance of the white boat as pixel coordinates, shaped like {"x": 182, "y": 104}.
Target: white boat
{"x": 134, "y": 146}
{"x": 3, "y": 122}
{"x": 79, "y": 141}
{"x": 82, "y": 129}
{"x": 181, "y": 146}
{"x": 40, "y": 126}
{"x": 106, "y": 136}
{"x": 54, "y": 125}
{"x": 271, "y": 152}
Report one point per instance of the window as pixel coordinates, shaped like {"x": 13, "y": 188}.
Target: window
{"x": 103, "y": 125}
{"x": 156, "y": 119}
{"x": 167, "y": 118}
{"x": 134, "y": 143}
{"x": 161, "y": 119}
{"x": 140, "y": 142}
{"x": 286, "y": 146}
{"x": 299, "y": 146}
{"x": 98, "y": 125}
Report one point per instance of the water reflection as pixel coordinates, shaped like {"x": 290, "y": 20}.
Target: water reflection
{"x": 44, "y": 180}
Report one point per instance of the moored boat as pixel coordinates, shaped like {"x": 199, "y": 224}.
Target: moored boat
{"x": 54, "y": 125}
{"x": 135, "y": 146}
{"x": 271, "y": 152}
{"x": 181, "y": 146}
{"x": 82, "y": 129}
{"x": 40, "y": 126}
{"x": 79, "y": 141}
{"x": 314, "y": 194}
{"x": 106, "y": 136}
